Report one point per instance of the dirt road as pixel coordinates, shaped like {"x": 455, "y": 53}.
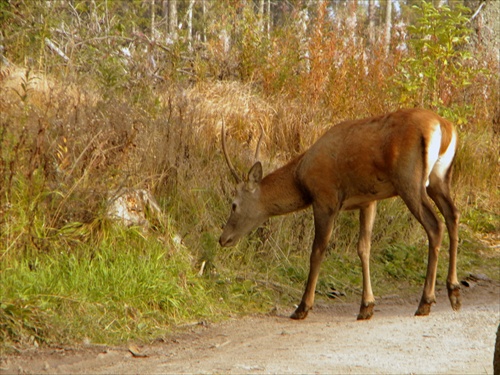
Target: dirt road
{"x": 329, "y": 341}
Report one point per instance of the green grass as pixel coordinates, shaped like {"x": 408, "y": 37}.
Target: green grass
{"x": 129, "y": 286}
{"x": 133, "y": 285}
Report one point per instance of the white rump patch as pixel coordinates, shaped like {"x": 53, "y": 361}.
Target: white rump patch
{"x": 433, "y": 150}
{"x": 439, "y": 164}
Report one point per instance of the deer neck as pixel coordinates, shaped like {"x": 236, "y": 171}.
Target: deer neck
{"x": 281, "y": 193}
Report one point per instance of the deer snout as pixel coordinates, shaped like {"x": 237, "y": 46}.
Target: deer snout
{"x": 226, "y": 241}
{"x": 222, "y": 241}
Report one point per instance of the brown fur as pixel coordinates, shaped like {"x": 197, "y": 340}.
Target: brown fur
{"x": 353, "y": 165}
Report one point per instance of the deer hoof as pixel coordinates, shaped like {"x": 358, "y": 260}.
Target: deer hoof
{"x": 366, "y": 311}
{"x": 454, "y": 296}
{"x": 301, "y": 312}
{"x": 424, "y": 308}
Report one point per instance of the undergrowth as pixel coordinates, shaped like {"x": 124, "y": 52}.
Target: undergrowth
{"x": 70, "y": 137}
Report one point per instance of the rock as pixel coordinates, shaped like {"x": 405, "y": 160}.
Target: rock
{"x": 133, "y": 207}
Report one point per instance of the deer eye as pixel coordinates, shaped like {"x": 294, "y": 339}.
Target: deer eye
{"x": 233, "y": 207}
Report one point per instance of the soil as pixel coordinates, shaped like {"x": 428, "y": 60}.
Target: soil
{"x": 329, "y": 341}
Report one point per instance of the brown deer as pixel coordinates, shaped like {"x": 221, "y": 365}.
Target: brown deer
{"x": 409, "y": 153}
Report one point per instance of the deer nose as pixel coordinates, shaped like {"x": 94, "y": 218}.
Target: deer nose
{"x": 225, "y": 242}
{"x": 222, "y": 241}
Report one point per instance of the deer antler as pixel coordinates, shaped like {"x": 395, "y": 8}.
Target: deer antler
{"x": 257, "y": 151}
{"x": 224, "y": 149}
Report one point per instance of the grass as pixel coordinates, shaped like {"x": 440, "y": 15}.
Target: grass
{"x": 130, "y": 286}
{"x": 135, "y": 287}
{"x": 70, "y": 275}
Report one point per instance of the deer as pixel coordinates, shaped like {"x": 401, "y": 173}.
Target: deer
{"x": 407, "y": 153}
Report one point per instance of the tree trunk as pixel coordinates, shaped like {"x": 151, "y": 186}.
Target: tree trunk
{"x": 165, "y": 15}
{"x": 204, "y": 15}
{"x": 172, "y": 19}
{"x": 153, "y": 19}
{"x": 388, "y": 26}
{"x": 484, "y": 20}
{"x": 371, "y": 22}
{"x": 269, "y": 18}
{"x": 190, "y": 24}
{"x": 352, "y": 19}
{"x": 302, "y": 23}
{"x": 261, "y": 15}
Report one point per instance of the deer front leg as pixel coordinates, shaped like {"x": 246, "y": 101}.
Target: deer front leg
{"x": 307, "y": 302}
{"x": 366, "y": 220}
{"x": 323, "y": 223}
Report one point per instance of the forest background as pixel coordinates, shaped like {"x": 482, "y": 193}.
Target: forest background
{"x": 100, "y": 97}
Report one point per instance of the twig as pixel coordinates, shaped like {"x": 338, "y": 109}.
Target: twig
{"x": 202, "y": 268}
{"x": 104, "y": 38}
{"x": 277, "y": 286}
{"x": 11, "y": 245}
{"x": 83, "y": 152}
{"x": 477, "y": 11}
{"x": 56, "y": 49}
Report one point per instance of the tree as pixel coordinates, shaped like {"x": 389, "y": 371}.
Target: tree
{"x": 371, "y": 22}
{"x": 190, "y": 23}
{"x": 388, "y": 25}
{"x": 486, "y": 25}
{"x": 438, "y": 65}
{"x": 170, "y": 14}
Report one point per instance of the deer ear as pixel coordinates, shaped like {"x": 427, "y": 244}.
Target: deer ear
{"x": 255, "y": 174}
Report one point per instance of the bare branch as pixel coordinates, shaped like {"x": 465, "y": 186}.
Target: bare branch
{"x": 477, "y": 12}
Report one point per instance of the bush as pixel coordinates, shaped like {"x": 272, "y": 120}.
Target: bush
{"x": 439, "y": 67}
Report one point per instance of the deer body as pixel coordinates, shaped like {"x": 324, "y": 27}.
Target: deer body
{"x": 408, "y": 153}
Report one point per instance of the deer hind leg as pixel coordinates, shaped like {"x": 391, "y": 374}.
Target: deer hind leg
{"x": 366, "y": 220}
{"x": 323, "y": 224}
{"x": 421, "y": 208}
{"x": 439, "y": 191}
